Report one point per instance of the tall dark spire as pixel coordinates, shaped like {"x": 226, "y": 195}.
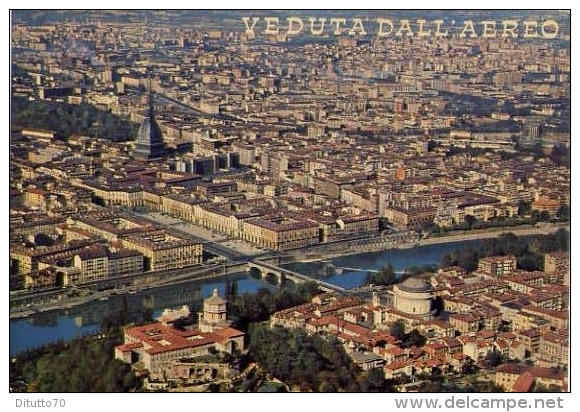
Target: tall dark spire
{"x": 149, "y": 143}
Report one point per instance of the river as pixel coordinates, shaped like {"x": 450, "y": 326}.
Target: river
{"x": 401, "y": 259}
{"x": 48, "y": 327}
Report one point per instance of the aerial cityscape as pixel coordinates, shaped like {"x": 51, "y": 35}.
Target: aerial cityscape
{"x": 290, "y": 201}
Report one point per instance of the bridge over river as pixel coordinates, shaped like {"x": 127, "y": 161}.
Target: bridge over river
{"x": 57, "y": 298}
{"x": 266, "y": 269}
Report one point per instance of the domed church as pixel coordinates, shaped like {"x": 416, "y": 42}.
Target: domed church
{"x": 413, "y": 296}
{"x": 214, "y": 313}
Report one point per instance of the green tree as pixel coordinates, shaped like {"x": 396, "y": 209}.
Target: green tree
{"x": 564, "y": 212}
{"x": 538, "y": 150}
{"x": 66, "y": 119}
{"x": 469, "y": 367}
{"x": 438, "y": 305}
{"x": 82, "y": 365}
{"x": 486, "y": 387}
{"x": 374, "y": 380}
{"x": 385, "y": 276}
{"x": 469, "y": 221}
{"x": 42, "y": 239}
{"x": 413, "y": 338}
{"x": 531, "y": 262}
{"x": 562, "y": 240}
{"x": 398, "y": 329}
{"x": 560, "y": 155}
{"x": 447, "y": 260}
{"x": 432, "y": 387}
{"x": 436, "y": 373}
{"x": 432, "y": 145}
{"x": 493, "y": 358}
{"x": 300, "y": 359}
{"x": 327, "y": 386}
{"x": 467, "y": 259}
{"x": 418, "y": 270}
{"x": 257, "y": 307}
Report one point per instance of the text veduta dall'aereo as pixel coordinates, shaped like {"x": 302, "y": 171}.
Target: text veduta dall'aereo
{"x": 383, "y": 27}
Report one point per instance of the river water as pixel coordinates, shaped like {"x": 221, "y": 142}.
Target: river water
{"x": 85, "y": 319}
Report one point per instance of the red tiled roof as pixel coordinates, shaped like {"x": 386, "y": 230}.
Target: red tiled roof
{"x": 486, "y": 334}
{"x": 36, "y": 191}
{"x": 433, "y": 362}
{"x": 523, "y": 383}
{"x": 502, "y": 344}
{"x": 324, "y": 320}
{"x": 359, "y": 311}
{"x": 511, "y": 368}
{"x": 499, "y": 258}
{"x": 129, "y": 346}
{"x": 229, "y": 333}
{"x": 161, "y": 338}
{"x": 560, "y": 314}
{"x": 433, "y": 347}
{"x": 398, "y": 365}
{"x": 530, "y": 333}
{"x": 451, "y": 342}
{"x": 547, "y": 373}
{"x": 359, "y": 330}
{"x": 395, "y": 351}
{"x": 507, "y": 335}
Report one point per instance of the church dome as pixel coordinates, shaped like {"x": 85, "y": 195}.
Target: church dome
{"x": 215, "y": 299}
{"x": 415, "y": 285}
{"x": 413, "y": 296}
{"x": 214, "y": 313}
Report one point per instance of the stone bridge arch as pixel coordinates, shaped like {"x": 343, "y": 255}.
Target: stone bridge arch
{"x": 255, "y": 272}
{"x": 272, "y": 277}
